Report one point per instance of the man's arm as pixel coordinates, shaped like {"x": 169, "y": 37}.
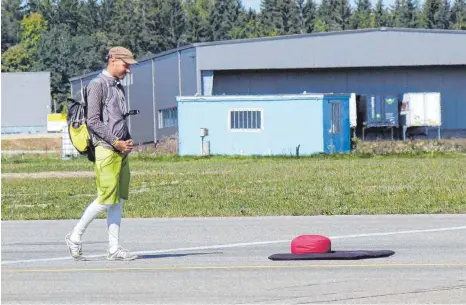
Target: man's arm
{"x": 95, "y": 95}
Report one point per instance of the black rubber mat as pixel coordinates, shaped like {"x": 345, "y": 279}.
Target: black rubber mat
{"x": 333, "y": 255}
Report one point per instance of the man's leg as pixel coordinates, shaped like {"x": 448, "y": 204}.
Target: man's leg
{"x": 115, "y": 251}
{"x": 91, "y": 212}
{"x": 73, "y": 240}
{"x": 114, "y": 211}
{"x": 113, "y": 226}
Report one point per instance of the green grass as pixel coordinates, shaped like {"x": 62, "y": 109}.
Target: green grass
{"x": 246, "y": 186}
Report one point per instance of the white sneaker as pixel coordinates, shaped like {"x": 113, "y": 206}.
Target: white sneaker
{"x": 76, "y": 250}
{"x": 121, "y": 255}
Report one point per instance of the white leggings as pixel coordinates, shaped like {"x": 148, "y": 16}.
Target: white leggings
{"x": 113, "y": 222}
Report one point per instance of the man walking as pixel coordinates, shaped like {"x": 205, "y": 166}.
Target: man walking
{"x": 106, "y": 121}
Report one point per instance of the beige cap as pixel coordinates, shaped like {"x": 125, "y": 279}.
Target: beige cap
{"x": 123, "y": 54}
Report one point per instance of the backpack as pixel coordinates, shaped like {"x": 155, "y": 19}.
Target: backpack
{"x": 78, "y": 131}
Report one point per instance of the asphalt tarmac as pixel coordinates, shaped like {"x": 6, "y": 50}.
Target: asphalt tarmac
{"x": 225, "y": 261}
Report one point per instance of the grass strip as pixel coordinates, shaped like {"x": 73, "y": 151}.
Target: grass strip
{"x": 171, "y": 186}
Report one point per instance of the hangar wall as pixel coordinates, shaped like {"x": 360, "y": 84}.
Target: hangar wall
{"x": 26, "y": 102}
{"x": 449, "y": 81}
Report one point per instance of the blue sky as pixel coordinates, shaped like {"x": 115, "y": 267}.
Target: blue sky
{"x": 255, "y": 4}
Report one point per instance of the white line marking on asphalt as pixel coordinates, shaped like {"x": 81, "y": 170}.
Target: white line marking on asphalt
{"x": 248, "y": 244}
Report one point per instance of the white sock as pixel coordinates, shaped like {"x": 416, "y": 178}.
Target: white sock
{"x": 91, "y": 212}
{"x": 113, "y": 225}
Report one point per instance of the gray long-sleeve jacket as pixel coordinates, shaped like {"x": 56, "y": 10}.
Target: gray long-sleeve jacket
{"x": 114, "y": 125}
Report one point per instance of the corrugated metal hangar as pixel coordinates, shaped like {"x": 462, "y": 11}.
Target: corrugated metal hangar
{"x": 25, "y": 111}
{"x": 371, "y": 61}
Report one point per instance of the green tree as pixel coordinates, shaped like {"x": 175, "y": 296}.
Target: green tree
{"x": 343, "y": 14}
{"x": 174, "y": 21}
{"x": 332, "y": 16}
{"x": 91, "y": 18}
{"x": 149, "y": 28}
{"x": 69, "y": 12}
{"x": 430, "y": 14}
{"x": 55, "y": 53}
{"x": 309, "y": 16}
{"x": 15, "y": 59}
{"x": 458, "y": 15}
{"x": 12, "y": 14}
{"x": 271, "y": 23}
{"x": 218, "y": 20}
{"x": 197, "y": 24}
{"x": 361, "y": 18}
{"x": 289, "y": 17}
{"x": 252, "y": 26}
{"x": 405, "y": 14}
{"x": 320, "y": 26}
{"x": 379, "y": 17}
{"x": 21, "y": 57}
{"x": 32, "y": 28}
{"x": 444, "y": 15}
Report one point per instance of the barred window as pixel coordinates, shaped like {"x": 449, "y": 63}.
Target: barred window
{"x": 168, "y": 117}
{"x": 245, "y": 119}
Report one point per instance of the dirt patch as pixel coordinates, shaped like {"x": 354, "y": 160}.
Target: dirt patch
{"x": 410, "y": 147}
{"x": 81, "y": 174}
{"x": 47, "y": 175}
{"x": 165, "y": 146}
{"x": 45, "y": 143}
{"x": 48, "y": 144}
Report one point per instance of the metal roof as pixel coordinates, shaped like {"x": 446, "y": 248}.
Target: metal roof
{"x": 321, "y": 34}
{"x": 215, "y": 60}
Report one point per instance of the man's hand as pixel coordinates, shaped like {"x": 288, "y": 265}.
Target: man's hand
{"x": 124, "y": 146}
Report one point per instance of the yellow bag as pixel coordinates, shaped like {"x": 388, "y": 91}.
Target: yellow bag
{"x": 80, "y": 137}
{"x": 79, "y": 134}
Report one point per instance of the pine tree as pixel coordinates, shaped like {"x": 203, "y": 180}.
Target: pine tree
{"x": 326, "y": 17}
{"x": 334, "y": 15}
{"x": 197, "y": 28}
{"x": 239, "y": 18}
{"x": 343, "y": 14}
{"x": 300, "y": 6}
{"x": 395, "y": 14}
{"x": 309, "y": 16}
{"x": 91, "y": 18}
{"x": 68, "y": 12}
{"x": 405, "y": 14}
{"x": 458, "y": 15}
{"x": 148, "y": 28}
{"x": 12, "y": 14}
{"x": 430, "y": 14}
{"x": 290, "y": 17}
{"x": 271, "y": 23}
{"x": 361, "y": 18}
{"x": 218, "y": 20}
{"x": 379, "y": 17}
{"x": 252, "y": 27}
{"x": 174, "y": 21}
{"x": 444, "y": 15}
{"x": 55, "y": 54}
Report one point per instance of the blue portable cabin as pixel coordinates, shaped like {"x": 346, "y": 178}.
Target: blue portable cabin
{"x": 303, "y": 124}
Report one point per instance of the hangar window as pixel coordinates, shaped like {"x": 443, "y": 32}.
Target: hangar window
{"x": 245, "y": 119}
{"x": 168, "y": 117}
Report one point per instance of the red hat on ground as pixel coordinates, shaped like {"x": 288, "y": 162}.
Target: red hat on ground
{"x": 306, "y": 244}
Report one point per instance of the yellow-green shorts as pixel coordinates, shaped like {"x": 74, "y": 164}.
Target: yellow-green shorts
{"x": 112, "y": 173}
